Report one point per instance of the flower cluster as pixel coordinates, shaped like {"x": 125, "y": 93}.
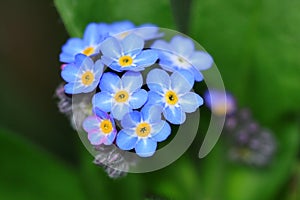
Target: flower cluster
{"x": 137, "y": 90}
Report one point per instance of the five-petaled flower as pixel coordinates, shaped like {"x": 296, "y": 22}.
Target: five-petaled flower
{"x": 173, "y": 94}
{"x": 127, "y": 54}
{"x": 88, "y": 45}
{"x": 100, "y": 127}
{"x": 83, "y": 75}
{"x": 142, "y": 130}
{"x": 120, "y": 95}
{"x": 180, "y": 54}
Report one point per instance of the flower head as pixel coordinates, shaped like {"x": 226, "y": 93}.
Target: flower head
{"x": 120, "y": 95}
{"x": 100, "y": 128}
{"x": 142, "y": 130}
{"x": 220, "y": 103}
{"x": 173, "y": 94}
{"x": 180, "y": 54}
{"x": 82, "y": 76}
{"x": 127, "y": 54}
{"x": 88, "y": 45}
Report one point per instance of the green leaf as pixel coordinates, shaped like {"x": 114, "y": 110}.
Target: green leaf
{"x": 256, "y": 46}
{"x": 76, "y": 14}
{"x": 27, "y": 172}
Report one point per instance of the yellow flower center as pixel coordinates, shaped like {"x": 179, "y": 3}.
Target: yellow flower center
{"x": 87, "y": 78}
{"x": 143, "y": 129}
{"x": 121, "y": 96}
{"x": 88, "y": 51}
{"x": 106, "y": 126}
{"x": 125, "y": 61}
{"x": 171, "y": 97}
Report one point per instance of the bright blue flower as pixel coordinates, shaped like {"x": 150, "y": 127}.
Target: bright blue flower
{"x": 220, "y": 103}
{"x": 83, "y": 75}
{"x": 173, "y": 94}
{"x": 123, "y": 28}
{"x": 101, "y": 128}
{"x": 88, "y": 45}
{"x": 120, "y": 95}
{"x": 142, "y": 130}
{"x": 127, "y": 54}
{"x": 180, "y": 54}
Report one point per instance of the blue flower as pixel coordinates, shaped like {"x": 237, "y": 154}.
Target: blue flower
{"x": 180, "y": 54}
{"x": 127, "y": 54}
{"x": 173, "y": 94}
{"x": 142, "y": 130}
{"x": 83, "y": 75}
{"x": 101, "y": 128}
{"x": 88, "y": 45}
{"x": 123, "y": 28}
{"x": 120, "y": 95}
{"x": 220, "y": 103}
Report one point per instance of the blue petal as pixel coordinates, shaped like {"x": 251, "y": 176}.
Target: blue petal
{"x": 125, "y": 141}
{"x": 130, "y": 120}
{"x": 96, "y": 138}
{"x": 148, "y": 32}
{"x": 174, "y": 115}
{"x": 87, "y": 64}
{"x": 201, "y": 60}
{"x": 110, "y": 82}
{"x": 145, "y": 147}
{"x": 146, "y": 58}
{"x": 138, "y": 98}
{"x": 158, "y": 77}
{"x": 103, "y": 101}
{"x": 132, "y": 43}
{"x": 152, "y": 113}
{"x": 70, "y": 73}
{"x": 154, "y": 98}
{"x": 73, "y": 88}
{"x": 182, "y": 45}
{"x": 91, "y": 123}
{"x": 182, "y": 81}
{"x": 100, "y": 113}
{"x": 79, "y": 58}
{"x": 91, "y": 34}
{"x": 119, "y": 110}
{"x": 163, "y": 132}
{"x": 132, "y": 81}
{"x": 162, "y": 46}
{"x": 119, "y": 27}
{"x": 111, "y": 48}
{"x": 190, "y": 102}
{"x": 110, "y": 138}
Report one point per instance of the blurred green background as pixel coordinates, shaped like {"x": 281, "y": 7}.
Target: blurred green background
{"x": 255, "y": 44}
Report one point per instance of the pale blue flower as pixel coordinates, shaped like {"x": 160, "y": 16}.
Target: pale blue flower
{"x": 142, "y": 130}
{"x": 127, "y": 54}
{"x": 88, "y": 45}
{"x": 173, "y": 94}
{"x": 100, "y": 127}
{"x": 180, "y": 54}
{"x": 120, "y": 95}
{"x": 83, "y": 75}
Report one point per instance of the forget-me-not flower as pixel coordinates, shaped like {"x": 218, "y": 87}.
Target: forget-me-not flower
{"x": 88, "y": 45}
{"x": 120, "y": 95}
{"x": 180, "y": 54}
{"x": 101, "y": 128}
{"x": 173, "y": 94}
{"x": 127, "y": 54}
{"x": 83, "y": 75}
{"x": 142, "y": 130}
